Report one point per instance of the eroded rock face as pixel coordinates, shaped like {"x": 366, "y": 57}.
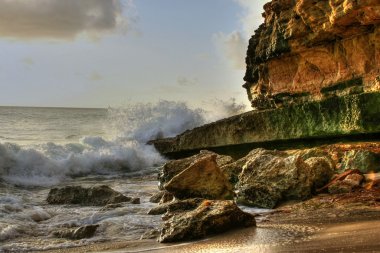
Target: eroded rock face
{"x": 210, "y": 217}
{"x": 307, "y": 50}
{"x": 94, "y": 196}
{"x": 202, "y": 179}
{"x": 269, "y": 177}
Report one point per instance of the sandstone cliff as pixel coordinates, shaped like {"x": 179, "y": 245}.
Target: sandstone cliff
{"x": 310, "y": 50}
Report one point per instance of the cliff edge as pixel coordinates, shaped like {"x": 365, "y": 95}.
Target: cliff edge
{"x": 309, "y": 50}
{"x": 313, "y": 74}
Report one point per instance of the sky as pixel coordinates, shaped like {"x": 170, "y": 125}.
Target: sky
{"x": 100, "y": 53}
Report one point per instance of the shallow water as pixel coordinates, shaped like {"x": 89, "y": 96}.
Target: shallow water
{"x": 27, "y": 221}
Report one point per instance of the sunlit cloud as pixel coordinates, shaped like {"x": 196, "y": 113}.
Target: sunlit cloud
{"x": 234, "y": 45}
{"x": 59, "y": 19}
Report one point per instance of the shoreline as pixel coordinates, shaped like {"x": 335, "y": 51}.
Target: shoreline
{"x": 341, "y": 227}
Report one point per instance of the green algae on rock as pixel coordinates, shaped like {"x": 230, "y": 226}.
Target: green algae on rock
{"x": 348, "y": 115}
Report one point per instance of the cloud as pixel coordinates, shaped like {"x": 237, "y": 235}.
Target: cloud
{"x": 234, "y": 45}
{"x": 251, "y": 16}
{"x": 59, "y": 19}
{"x": 28, "y": 61}
{"x": 184, "y": 81}
{"x": 95, "y": 76}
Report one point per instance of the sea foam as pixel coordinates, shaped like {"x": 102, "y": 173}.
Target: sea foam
{"x": 130, "y": 128}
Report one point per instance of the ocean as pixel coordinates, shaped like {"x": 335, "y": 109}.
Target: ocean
{"x": 42, "y": 148}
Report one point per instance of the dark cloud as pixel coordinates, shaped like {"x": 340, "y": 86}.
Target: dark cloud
{"x": 58, "y": 19}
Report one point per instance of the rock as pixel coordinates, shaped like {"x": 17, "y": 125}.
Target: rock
{"x": 308, "y": 49}
{"x": 348, "y": 184}
{"x": 210, "y": 217}
{"x": 93, "y": 196}
{"x": 176, "y": 206}
{"x": 334, "y": 117}
{"x": 111, "y": 206}
{"x": 363, "y": 160}
{"x": 202, "y": 179}
{"x": 135, "y": 201}
{"x": 77, "y": 233}
{"x": 337, "y": 178}
{"x": 233, "y": 170}
{"x": 174, "y": 167}
{"x": 167, "y": 197}
{"x": 269, "y": 177}
{"x": 156, "y": 197}
{"x": 150, "y": 234}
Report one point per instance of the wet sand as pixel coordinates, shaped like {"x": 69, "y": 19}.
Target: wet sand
{"x": 326, "y": 223}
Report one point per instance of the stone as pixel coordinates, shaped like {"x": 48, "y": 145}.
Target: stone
{"x": 202, "y": 179}
{"x": 167, "y": 197}
{"x": 292, "y": 126}
{"x": 176, "y": 206}
{"x": 155, "y": 198}
{"x": 210, "y": 217}
{"x": 94, "y": 196}
{"x": 306, "y": 50}
{"x": 363, "y": 160}
{"x": 174, "y": 167}
{"x": 348, "y": 184}
{"x": 269, "y": 177}
{"x": 135, "y": 201}
{"x": 150, "y": 234}
{"x": 87, "y": 231}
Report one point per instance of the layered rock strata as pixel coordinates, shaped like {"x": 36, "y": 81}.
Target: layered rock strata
{"x": 311, "y": 50}
{"x": 349, "y": 115}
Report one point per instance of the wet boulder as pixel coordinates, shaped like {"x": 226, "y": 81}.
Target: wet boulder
{"x": 269, "y": 177}
{"x": 76, "y": 233}
{"x": 174, "y": 167}
{"x": 210, "y": 217}
{"x": 94, "y": 196}
{"x": 201, "y": 179}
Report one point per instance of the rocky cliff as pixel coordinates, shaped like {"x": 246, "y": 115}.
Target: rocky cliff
{"x": 310, "y": 50}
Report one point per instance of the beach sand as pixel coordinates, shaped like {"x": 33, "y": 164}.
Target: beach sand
{"x": 352, "y": 226}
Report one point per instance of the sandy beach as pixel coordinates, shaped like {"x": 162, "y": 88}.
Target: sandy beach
{"x": 341, "y": 226}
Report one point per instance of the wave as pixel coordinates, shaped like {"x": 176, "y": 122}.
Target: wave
{"x": 131, "y": 128}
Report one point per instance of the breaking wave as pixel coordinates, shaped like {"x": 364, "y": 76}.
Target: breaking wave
{"x": 126, "y": 151}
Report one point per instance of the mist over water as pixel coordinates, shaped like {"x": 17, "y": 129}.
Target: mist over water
{"x": 45, "y": 146}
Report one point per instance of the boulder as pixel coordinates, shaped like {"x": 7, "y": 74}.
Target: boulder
{"x": 348, "y": 184}
{"x": 135, "y": 201}
{"x": 202, "y": 179}
{"x": 174, "y": 167}
{"x": 76, "y": 233}
{"x": 210, "y": 217}
{"x": 94, "y": 196}
{"x": 176, "y": 206}
{"x": 269, "y": 177}
{"x": 363, "y": 160}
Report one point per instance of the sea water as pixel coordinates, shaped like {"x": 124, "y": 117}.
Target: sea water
{"x": 42, "y": 148}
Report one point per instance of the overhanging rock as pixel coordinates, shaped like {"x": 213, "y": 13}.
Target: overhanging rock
{"x": 335, "y": 117}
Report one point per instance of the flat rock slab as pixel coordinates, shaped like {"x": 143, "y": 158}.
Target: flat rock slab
{"x": 333, "y": 117}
